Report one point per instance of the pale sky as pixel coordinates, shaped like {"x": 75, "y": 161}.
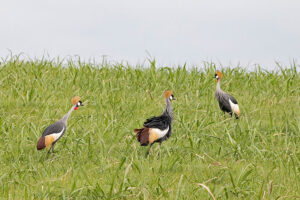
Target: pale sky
{"x": 172, "y": 31}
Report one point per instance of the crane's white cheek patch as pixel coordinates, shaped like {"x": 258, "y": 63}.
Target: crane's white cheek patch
{"x": 235, "y": 108}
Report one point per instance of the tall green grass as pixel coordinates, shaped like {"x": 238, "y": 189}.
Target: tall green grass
{"x": 255, "y": 157}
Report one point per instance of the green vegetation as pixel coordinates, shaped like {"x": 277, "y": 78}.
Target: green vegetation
{"x": 255, "y": 157}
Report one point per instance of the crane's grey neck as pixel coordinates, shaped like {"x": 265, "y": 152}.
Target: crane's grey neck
{"x": 218, "y": 88}
{"x": 168, "y": 111}
{"x": 66, "y": 117}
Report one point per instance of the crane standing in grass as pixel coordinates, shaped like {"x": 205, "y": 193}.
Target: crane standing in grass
{"x": 227, "y": 102}
{"x": 56, "y": 130}
{"x": 157, "y": 129}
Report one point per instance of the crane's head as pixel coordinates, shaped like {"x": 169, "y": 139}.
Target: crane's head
{"x": 76, "y": 101}
{"x": 218, "y": 75}
{"x": 169, "y": 95}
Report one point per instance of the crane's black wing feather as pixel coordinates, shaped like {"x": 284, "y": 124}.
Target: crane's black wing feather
{"x": 232, "y": 99}
{"x": 56, "y": 127}
{"x": 223, "y": 99}
{"x": 161, "y": 122}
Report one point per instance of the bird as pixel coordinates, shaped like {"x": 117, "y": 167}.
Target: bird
{"x": 56, "y": 130}
{"x": 227, "y": 103}
{"x": 157, "y": 129}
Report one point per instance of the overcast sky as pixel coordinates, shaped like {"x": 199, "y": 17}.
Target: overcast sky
{"x": 172, "y": 31}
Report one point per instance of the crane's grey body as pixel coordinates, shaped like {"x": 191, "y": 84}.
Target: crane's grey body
{"x": 162, "y": 122}
{"x": 157, "y": 129}
{"x": 60, "y": 125}
{"x": 58, "y": 128}
{"x": 227, "y": 103}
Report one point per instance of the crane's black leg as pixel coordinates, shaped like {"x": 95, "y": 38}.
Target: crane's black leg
{"x": 52, "y": 147}
{"x": 159, "y": 153}
{"x": 149, "y": 150}
{"x": 49, "y": 150}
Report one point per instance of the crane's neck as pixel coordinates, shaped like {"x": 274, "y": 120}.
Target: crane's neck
{"x": 168, "y": 111}
{"x": 66, "y": 117}
{"x": 218, "y": 88}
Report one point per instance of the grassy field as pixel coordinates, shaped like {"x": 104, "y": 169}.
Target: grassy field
{"x": 255, "y": 157}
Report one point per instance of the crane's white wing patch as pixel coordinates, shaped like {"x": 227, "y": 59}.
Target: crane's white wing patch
{"x": 234, "y": 107}
{"x": 160, "y": 133}
{"x": 57, "y": 135}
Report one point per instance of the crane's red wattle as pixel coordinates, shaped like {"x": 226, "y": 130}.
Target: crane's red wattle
{"x": 76, "y": 108}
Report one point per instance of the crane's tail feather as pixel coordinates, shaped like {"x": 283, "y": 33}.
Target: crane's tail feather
{"x": 41, "y": 144}
{"x": 142, "y": 135}
{"x": 136, "y": 130}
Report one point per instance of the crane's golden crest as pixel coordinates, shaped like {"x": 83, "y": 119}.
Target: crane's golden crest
{"x": 75, "y": 100}
{"x": 168, "y": 93}
{"x": 219, "y": 74}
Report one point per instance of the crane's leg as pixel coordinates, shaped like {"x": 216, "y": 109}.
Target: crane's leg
{"x": 159, "y": 153}
{"x": 149, "y": 150}
{"x": 52, "y": 147}
{"x": 49, "y": 150}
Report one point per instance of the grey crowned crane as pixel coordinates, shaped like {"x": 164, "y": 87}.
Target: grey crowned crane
{"x": 56, "y": 130}
{"x": 227, "y": 102}
{"x": 157, "y": 129}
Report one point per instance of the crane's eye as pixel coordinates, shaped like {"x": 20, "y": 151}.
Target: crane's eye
{"x": 172, "y": 97}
